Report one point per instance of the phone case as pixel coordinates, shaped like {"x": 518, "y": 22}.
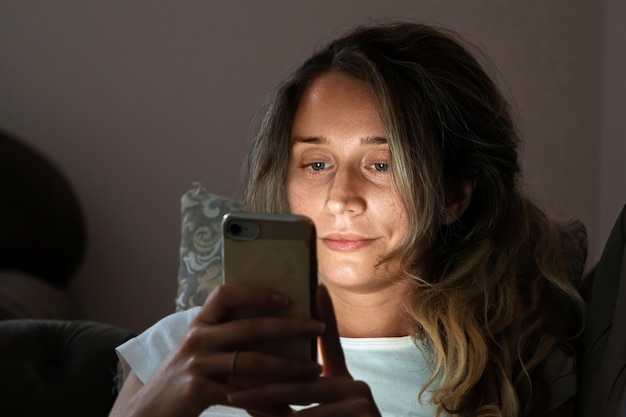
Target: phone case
{"x": 275, "y": 251}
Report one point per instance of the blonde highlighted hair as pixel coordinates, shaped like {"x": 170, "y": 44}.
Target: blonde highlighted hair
{"x": 490, "y": 296}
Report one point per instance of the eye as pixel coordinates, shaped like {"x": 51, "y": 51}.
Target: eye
{"x": 381, "y": 167}
{"x": 318, "y": 166}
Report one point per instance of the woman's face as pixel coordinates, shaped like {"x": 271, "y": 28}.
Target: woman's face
{"x": 339, "y": 176}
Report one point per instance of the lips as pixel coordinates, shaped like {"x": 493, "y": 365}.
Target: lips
{"x": 341, "y": 242}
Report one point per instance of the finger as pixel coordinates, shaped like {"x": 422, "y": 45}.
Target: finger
{"x": 352, "y": 407}
{"x": 225, "y": 297}
{"x": 251, "y": 368}
{"x": 330, "y": 345}
{"x": 321, "y": 390}
{"x": 273, "y": 411}
{"x": 246, "y": 334}
{"x": 257, "y": 329}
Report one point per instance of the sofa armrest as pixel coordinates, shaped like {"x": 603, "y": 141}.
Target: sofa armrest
{"x": 58, "y": 367}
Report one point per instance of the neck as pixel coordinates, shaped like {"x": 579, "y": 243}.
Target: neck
{"x": 379, "y": 313}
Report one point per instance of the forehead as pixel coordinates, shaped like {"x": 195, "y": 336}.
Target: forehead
{"x": 337, "y": 105}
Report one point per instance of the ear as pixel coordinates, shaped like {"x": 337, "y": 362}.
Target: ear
{"x": 460, "y": 201}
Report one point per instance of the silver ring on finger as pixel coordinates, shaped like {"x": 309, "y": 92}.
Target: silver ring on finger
{"x": 233, "y": 363}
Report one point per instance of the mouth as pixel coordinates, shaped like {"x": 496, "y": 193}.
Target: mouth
{"x": 345, "y": 243}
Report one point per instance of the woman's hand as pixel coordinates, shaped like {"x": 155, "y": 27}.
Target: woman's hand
{"x": 334, "y": 394}
{"x": 204, "y": 369}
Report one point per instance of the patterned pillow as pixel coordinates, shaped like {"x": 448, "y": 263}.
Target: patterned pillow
{"x": 200, "y": 268}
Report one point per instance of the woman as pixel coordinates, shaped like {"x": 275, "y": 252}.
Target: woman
{"x": 448, "y": 285}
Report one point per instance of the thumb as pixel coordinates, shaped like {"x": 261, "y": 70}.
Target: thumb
{"x": 329, "y": 343}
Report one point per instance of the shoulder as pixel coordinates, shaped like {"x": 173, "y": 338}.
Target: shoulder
{"x": 144, "y": 353}
{"x": 170, "y": 329}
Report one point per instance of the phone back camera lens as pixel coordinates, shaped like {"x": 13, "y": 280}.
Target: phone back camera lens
{"x": 234, "y": 228}
{"x": 242, "y": 229}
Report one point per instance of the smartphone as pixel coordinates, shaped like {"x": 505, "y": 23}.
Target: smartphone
{"x": 275, "y": 251}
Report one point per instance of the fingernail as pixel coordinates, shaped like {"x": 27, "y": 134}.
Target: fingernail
{"x": 280, "y": 300}
{"x": 316, "y": 327}
{"x": 314, "y": 367}
{"x": 233, "y": 398}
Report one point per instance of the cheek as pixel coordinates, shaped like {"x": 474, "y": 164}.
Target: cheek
{"x": 305, "y": 203}
{"x": 395, "y": 215}
{"x": 297, "y": 198}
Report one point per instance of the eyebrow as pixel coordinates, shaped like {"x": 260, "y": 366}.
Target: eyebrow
{"x": 321, "y": 140}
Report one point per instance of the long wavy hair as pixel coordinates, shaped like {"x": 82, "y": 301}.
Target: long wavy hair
{"x": 490, "y": 297}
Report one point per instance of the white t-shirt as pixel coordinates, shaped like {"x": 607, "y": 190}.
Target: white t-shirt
{"x": 394, "y": 368}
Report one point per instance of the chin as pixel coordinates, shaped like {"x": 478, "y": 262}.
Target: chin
{"x": 357, "y": 279}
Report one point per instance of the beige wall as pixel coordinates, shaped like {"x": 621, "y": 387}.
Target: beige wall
{"x": 136, "y": 100}
{"x": 612, "y": 181}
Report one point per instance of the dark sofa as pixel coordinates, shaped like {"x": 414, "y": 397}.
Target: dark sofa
{"x": 58, "y": 367}
{"x": 52, "y": 361}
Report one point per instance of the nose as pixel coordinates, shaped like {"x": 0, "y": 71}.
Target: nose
{"x": 345, "y": 194}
